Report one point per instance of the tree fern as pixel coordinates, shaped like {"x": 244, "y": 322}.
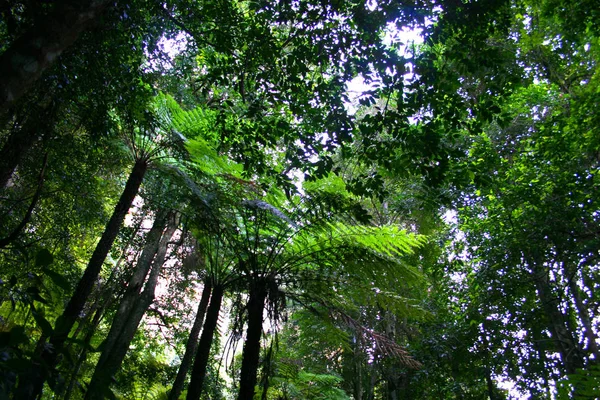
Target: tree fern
{"x": 196, "y": 129}
{"x": 142, "y": 391}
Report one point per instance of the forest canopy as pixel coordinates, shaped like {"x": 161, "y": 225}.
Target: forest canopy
{"x": 195, "y": 202}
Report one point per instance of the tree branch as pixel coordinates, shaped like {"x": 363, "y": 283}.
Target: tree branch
{"x": 15, "y": 233}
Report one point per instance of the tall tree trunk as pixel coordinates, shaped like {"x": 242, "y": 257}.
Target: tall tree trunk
{"x": 26, "y": 129}
{"x": 192, "y": 343}
{"x": 582, "y": 310}
{"x": 134, "y": 286}
{"x": 110, "y": 292}
{"x": 251, "y": 352}
{"x": 83, "y": 354}
{"x": 113, "y": 359}
{"x": 372, "y": 382}
{"x": 358, "y": 378}
{"x": 22, "y": 64}
{"x": 13, "y": 151}
{"x": 31, "y": 387}
{"x": 201, "y": 360}
{"x": 391, "y": 385}
{"x": 563, "y": 338}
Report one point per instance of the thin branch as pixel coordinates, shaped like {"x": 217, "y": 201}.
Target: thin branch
{"x": 17, "y": 231}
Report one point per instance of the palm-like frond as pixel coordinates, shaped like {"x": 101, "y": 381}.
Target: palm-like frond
{"x": 344, "y": 245}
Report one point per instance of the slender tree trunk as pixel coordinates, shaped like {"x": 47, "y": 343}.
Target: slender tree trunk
{"x": 100, "y": 305}
{"x": 109, "y": 295}
{"x": 22, "y": 64}
{"x": 582, "y": 310}
{"x": 87, "y": 339}
{"x": 390, "y": 373}
{"x": 372, "y": 383}
{"x": 192, "y": 343}
{"x": 563, "y": 338}
{"x": 134, "y": 286}
{"x": 358, "y": 381}
{"x": 111, "y": 291}
{"x": 31, "y": 387}
{"x": 201, "y": 360}
{"x": 13, "y": 151}
{"x": 104, "y": 372}
{"x": 251, "y": 352}
{"x": 267, "y": 373}
{"x": 391, "y": 385}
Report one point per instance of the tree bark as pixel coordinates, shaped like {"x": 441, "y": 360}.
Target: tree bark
{"x": 563, "y": 338}
{"x": 192, "y": 343}
{"x": 582, "y": 310}
{"x": 113, "y": 359}
{"x": 110, "y": 292}
{"x": 357, "y": 378}
{"x": 201, "y": 360}
{"x": 83, "y": 354}
{"x": 134, "y": 287}
{"x": 13, "y": 151}
{"x": 32, "y": 386}
{"x": 23, "y": 63}
{"x": 251, "y": 352}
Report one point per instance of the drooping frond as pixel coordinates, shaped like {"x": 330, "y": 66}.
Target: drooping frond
{"x": 384, "y": 345}
{"x": 263, "y": 205}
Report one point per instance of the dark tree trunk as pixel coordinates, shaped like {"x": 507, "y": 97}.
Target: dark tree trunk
{"x": 22, "y": 64}
{"x": 113, "y": 359}
{"x": 391, "y": 385}
{"x": 192, "y": 343}
{"x": 251, "y": 352}
{"x": 31, "y": 387}
{"x": 201, "y": 360}
{"x": 358, "y": 378}
{"x": 13, "y": 151}
{"x": 372, "y": 383}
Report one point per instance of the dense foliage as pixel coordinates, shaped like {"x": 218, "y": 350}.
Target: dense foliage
{"x": 195, "y": 202}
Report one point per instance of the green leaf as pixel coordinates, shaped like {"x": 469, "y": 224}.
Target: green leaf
{"x": 43, "y": 258}
{"x": 18, "y": 336}
{"x": 42, "y": 322}
{"x": 58, "y": 279}
{"x": 84, "y": 344}
{"x": 34, "y": 293}
{"x": 14, "y": 337}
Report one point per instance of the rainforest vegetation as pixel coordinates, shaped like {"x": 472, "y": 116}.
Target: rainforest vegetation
{"x": 302, "y": 199}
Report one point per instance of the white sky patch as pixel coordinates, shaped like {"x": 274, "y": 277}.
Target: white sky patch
{"x": 172, "y": 47}
{"x": 403, "y": 40}
{"x": 169, "y": 47}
